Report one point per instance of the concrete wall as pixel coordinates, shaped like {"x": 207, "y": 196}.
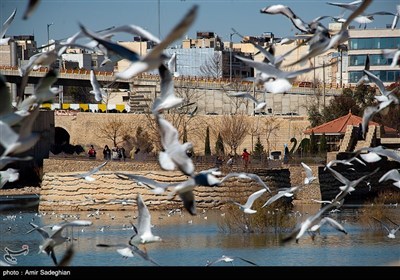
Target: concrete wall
{"x": 84, "y": 129}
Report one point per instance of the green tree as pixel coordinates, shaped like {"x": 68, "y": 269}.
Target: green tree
{"x": 219, "y": 145}
{"x": 207, "y": 148}
{"x": 313, "y": 143}
{"x": 323, "y": 146}
{"x": 258, "y": 148}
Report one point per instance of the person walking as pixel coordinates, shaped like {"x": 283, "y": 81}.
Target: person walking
{"x": 246, "y": 158}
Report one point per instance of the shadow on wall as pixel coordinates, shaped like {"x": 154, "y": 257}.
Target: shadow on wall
{"x": 61, "y": 143}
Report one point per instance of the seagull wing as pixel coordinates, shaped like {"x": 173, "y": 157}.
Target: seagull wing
{"x": 390, "y": 175}
{"x": 32, "y": 5}
{"x": 377, "y": 81}
{"x": 188, "y": 201}
{"x": 244, "y": 95}
{"x": 382, "y": 223}
{"x": 7, "y": 24}
{"x": 250, "y": 262}
{"x": 144, "y": 219}
{"x": 178, "y": 31}
{"x": 253, "y": 197}
{"x": 97, "y": 168}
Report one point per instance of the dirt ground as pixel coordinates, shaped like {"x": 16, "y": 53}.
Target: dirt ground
{"x": 20, "y": 191}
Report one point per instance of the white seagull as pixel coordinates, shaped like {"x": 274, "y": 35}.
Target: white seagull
{"x": 4, "y": 28}
{"x": 391, "y": 232}
{"x": 152, "y": 59}
{"x": 244, "y": 175}
{"x": 309, "y": 175}
{"x": 391, "y": 175}
{"x": 167, "y": 99}
{"x": 229, "y": 259}
{"x": 155, "y": 187}
{"x": 97, "y": 91}
{"x": 259, "y": 104}
{"x": 246, "y": 208}
{"x": 55, "y": 239}
{"x": 143, "y": 234}
{"x": 335, "y": 224}
{"x": 18, "y": 143}
{"x": 88, "y": 175}
{"x": 174, "y": 154}
{"x": 9, "y": 175}
{"x": 43, "y": 91}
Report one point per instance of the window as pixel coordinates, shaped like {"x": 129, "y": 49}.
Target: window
{"x": 374, "y": 43}
{"x": 94, "y": 63}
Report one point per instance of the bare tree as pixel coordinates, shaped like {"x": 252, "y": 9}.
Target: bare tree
{"x": 113, "y": 130}
{"x": 233, "y": 129}
{"x": 254, "y": 130}
{"x": 272, "y": 126}
{"x": 213, "y": 66}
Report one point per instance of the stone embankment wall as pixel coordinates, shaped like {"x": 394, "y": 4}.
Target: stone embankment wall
{"x": 60, "y": 191}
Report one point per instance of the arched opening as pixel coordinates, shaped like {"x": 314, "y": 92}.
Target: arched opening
{"x": 61, "y": 136}
{"x": 62, "y": 145}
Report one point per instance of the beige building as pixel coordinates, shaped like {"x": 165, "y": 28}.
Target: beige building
{"x": 371, "y": 42}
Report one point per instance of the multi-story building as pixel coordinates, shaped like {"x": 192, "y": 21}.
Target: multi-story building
{"x": 20, "y": 48}
{"x": 82, "y": 59}
{"x": 371, "y": 42}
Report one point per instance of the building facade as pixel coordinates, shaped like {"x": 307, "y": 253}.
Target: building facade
{"x": 371, "y": 42}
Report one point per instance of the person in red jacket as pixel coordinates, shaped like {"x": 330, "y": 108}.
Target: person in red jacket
{"x": 246, "y": 158}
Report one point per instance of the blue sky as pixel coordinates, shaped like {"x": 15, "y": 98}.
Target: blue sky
{"x": 217, "y": 16}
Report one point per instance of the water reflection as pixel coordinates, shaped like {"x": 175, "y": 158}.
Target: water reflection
{"x": 192, "y": 241}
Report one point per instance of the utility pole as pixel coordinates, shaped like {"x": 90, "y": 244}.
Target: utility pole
{"x": 230, "y": 56}
{"x": 159, "y": 19}
{"x": 48, "y": 35}
{"x": 323, "y": 78}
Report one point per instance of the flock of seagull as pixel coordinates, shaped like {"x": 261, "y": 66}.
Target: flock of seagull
{"x": 174, "y": 154}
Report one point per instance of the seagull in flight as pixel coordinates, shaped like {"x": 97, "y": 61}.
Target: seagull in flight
{"x": 88, "y": 175}
{"x": 391, "y": 232}
{"x": 15, "y": 143}
{"x": 143, "y": 234}
{"x": 287, "y": 12}
{"x": 155, "y": 187}
{"x": 56, "y": 238}
{"x": 288, "y": 192}
{"x": 246, "y": 208}
{"x": 174, "y": 154}
{"x": 9, "y": 175}
{"x": 129, "y": 251}
{"x": 4, "y": 28}
{"x": 155, "y": 57}
{"x": 97, "y": 91}
{"x": 167, "y": 99}
{"x": 391, "y": 175}
{"x": 309, "y": 175}
{"x": 250, "y": 176}
{"x": 229, "y": 259}
{"x": 259, "y": 104}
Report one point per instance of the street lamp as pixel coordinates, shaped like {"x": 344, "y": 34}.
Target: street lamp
{"x": 159, "y": 19}
{"x": 48, "y": 34}
{"x": 230, "y": 56}
{"x": 341, "y": 48}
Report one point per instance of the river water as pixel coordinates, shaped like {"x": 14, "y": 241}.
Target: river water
{"x": 195, "y": 240}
